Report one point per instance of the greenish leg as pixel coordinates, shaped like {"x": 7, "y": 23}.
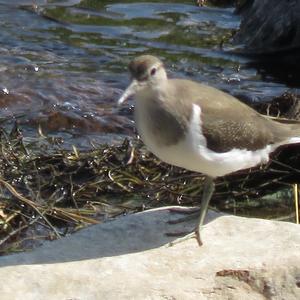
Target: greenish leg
{"x": 208, "y": 190}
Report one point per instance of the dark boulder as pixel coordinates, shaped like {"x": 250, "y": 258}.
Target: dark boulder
{"x": 269, "y": 26}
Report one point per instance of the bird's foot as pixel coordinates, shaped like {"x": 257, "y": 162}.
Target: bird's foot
{"x": 208, "y": 190}
{"x": 195, "y": 234}
{"x": 190, "y": 212}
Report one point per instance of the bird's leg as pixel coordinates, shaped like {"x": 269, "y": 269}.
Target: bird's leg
{"x": 208, "y": 190}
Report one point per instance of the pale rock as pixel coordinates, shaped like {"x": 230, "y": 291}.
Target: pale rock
{"x": 129, "y": 258}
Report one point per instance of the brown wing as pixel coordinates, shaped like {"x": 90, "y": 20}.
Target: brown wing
{"x": 237, "y": 131}
{"x": 227, "y": 122}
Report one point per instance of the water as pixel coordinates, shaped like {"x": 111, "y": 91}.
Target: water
{"x": 63, "y": 63}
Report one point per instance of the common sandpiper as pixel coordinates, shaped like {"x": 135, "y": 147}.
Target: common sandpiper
{"x": 200, "y": 128}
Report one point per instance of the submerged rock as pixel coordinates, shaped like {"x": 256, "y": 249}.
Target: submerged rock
{"x": 129, "y": 259}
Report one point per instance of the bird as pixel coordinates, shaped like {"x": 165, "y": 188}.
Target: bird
{"x": 200, "y": 128}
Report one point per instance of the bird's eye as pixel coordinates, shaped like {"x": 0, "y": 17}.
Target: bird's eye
{"x": 153, "y": 71}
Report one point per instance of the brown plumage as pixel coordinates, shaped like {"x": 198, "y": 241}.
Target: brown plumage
{"x": 227, "y": 123}
{"x": 200, "y": 128}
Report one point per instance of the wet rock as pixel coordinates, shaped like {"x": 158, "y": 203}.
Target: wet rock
{"x": 269, "y": 26}
{"x": 58, "y": 120}
{"x": 129, "y": 259}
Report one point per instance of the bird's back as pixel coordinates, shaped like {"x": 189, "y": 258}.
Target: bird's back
{"x": 227, "y": 122}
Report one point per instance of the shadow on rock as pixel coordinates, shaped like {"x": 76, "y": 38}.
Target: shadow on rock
{"x": 129, "y": 234}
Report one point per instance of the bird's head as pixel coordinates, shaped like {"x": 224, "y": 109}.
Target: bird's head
{"x": 147, "y": 71}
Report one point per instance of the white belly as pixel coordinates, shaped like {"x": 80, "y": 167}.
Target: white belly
{"x": 192, "y": 153}
{"x": 208, "y": 162}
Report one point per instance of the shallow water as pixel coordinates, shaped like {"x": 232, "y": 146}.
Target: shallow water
{"x": 63, "y": 63}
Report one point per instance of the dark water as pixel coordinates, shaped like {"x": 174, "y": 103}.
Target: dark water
{"x": 63, "y": 63}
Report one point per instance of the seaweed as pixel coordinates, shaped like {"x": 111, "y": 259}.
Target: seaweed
{"x": 48, "y": 192}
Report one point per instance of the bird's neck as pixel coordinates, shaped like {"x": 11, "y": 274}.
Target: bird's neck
{"x": 153, "y": 93}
